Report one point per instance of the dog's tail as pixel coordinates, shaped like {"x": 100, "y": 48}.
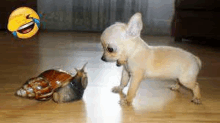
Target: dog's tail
{"x": 199, "y": 62}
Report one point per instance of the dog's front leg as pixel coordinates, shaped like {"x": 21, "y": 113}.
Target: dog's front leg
{"x": 124, "y": 82}
{"x": 136, "y": 79}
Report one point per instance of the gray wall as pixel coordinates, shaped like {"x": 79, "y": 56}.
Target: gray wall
{"x": 96, "y": 15}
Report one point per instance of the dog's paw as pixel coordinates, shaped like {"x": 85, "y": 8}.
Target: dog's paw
{"x": 174, "y": 87}
{"x": 124, "y": 102}
{"x": 116, "y": 89}
{"x": 196, "y": 101}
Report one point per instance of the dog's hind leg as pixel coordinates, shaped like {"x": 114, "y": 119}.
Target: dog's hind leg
{"x": 194, "y": 86}
{"x": 197, "y": 95}
{"x": 124, "y": 82}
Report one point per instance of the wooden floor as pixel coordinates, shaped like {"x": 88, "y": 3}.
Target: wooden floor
{"x": 23, "y": 59}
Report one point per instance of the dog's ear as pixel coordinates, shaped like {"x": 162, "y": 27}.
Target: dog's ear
{"x": 135, "y": 25}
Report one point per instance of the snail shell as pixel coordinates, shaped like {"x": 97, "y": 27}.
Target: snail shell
{"x": 43, "y": 86}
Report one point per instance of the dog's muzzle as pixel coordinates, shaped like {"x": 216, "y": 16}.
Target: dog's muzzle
{"x": 103, "y": 59}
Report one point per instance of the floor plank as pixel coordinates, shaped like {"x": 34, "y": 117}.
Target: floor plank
{"x": 23, "y": 59}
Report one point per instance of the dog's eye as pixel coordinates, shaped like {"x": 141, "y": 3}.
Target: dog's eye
{"x": 110, "y": 49}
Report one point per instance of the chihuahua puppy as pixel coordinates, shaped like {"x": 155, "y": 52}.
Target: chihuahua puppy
{"x": 122, "y": 44}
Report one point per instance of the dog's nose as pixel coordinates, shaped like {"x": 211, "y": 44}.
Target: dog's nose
{"x": 103, "y": 58}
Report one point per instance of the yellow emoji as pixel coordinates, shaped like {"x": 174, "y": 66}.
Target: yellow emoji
{"x": 23, "y": 22}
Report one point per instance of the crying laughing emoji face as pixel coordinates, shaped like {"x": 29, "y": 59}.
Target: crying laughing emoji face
{"x": 23, "y": 22}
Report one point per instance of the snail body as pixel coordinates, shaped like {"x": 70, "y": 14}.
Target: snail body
{"x": 74, "y": 90}
{"x": 55, "y": 82}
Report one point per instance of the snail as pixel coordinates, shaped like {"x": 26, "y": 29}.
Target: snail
{"x": 56, "y": 84}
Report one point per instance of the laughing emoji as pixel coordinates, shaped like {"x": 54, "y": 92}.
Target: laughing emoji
{"x": 23, "y": 22}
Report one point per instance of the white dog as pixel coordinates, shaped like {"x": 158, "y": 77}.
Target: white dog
{"x": 122, "y": 43}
